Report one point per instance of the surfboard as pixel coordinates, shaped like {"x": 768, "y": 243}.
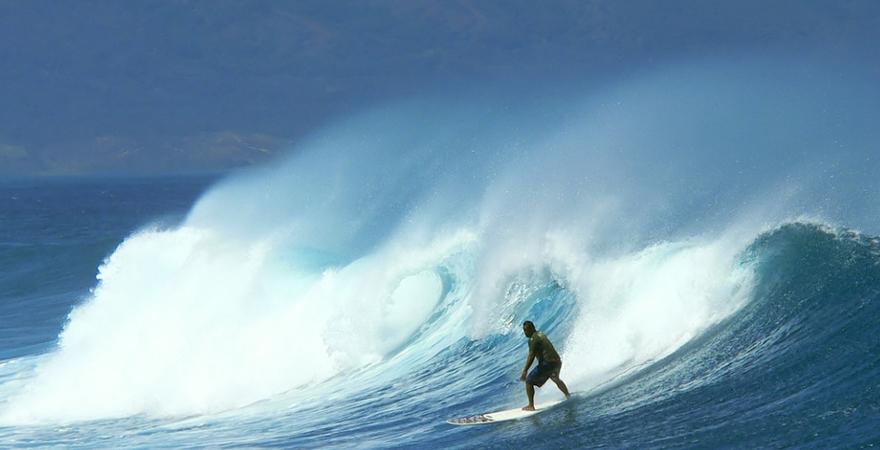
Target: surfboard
{"x": 503, "y": 416}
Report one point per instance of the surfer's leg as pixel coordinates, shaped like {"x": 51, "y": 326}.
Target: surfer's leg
{"x": 561, "y": 385}
{"x": 530, "y": 392}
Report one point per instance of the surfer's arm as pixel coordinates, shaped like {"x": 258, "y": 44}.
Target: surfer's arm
{"x": 528, "y": 364}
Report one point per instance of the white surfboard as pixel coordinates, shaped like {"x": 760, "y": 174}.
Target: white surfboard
{"x": 502, "y": 416}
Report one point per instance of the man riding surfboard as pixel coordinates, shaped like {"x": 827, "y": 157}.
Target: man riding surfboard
{"x": 549, "y": 364}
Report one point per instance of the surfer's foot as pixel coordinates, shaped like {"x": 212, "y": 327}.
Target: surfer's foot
{"x": 567, "y": 396}
{"x": 528, "y": 408}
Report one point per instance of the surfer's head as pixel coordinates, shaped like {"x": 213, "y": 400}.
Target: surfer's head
{"x": 528, "y": 328}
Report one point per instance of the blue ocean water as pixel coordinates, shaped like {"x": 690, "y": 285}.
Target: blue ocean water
{"x": 54, "y": 235}
{"x": 371, "y": 285}
{"x": 796, "y": 366}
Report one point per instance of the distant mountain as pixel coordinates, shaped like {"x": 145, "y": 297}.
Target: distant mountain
{"x": 114, "y": 154}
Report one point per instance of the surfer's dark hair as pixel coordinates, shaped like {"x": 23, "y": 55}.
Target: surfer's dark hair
{"x": 528, "y": 323}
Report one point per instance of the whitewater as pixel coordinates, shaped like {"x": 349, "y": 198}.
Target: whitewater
{"x": 698, "y": 240}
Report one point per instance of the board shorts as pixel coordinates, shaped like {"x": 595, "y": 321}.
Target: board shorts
{"x": 539, "y": 375}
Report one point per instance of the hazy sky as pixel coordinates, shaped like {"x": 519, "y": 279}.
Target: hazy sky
{"x": 176, "y": 86}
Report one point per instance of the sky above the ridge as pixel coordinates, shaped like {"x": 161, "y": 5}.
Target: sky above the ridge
{"x": 152, "y": 87}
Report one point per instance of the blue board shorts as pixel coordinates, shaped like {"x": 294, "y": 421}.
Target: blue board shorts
{"x": 539, "y": 375}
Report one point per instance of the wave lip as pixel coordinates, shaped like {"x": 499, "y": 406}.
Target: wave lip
{"x": 794, "y": 366}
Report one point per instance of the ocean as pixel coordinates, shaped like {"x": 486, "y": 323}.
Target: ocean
{"x": 703, "y": 290}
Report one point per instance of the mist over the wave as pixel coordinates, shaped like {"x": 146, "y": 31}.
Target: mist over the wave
{"x": 637, "y": 195}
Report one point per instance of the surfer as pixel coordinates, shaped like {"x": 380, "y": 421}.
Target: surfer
{"x": 548, "y": 366}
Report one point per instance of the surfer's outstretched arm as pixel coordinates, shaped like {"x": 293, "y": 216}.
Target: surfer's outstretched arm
{"x": 529, "y": 361}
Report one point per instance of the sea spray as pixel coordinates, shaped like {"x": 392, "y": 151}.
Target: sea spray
{"x": 337, "y": 257}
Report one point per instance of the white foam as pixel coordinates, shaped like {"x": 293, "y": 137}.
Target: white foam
{"x": 641, "y": 307}
{"x": 192, "y": 321}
